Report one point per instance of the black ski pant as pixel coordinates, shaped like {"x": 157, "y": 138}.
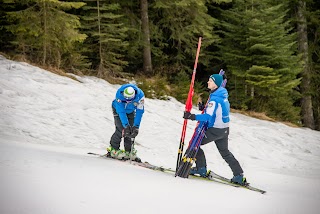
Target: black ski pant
{"x": 117, "y": 135}
{"x": 220, "y": 137}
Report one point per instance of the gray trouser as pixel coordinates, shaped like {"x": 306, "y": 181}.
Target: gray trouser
{"x": 117, "y": 135}
{"x": 220, "y": 137}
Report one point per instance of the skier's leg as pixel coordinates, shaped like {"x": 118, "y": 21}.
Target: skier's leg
{"x": 201, "y": 163}
{"x": 201, "y": 159}
{"x": 127, "y": 140}
{"x": 117, "y": 135}
{"x": 222, "y": 145}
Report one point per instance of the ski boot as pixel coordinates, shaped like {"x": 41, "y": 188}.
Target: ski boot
{"x": 239, "y": 179}
{"x": 132, "y": 155}
{"x": 202, "y": 171}
{"x": 116, "y": 153}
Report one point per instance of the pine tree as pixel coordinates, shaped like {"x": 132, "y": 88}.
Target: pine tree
{"x": 44, "y": 30}
{"x": 306, "y": 88}
{"x": 177, "y": 24}
{"x": 258, "y": 49}
{"x": 147, "y": 62}
{"x": 5, "y": 36}
{"x": 106, "y": 43}
{"x": 313, "y": 18}
{"x": 232, "y": 27}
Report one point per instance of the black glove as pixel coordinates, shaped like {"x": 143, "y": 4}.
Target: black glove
{"x": 127, "y": 131}
{"x": 201, "y": 106}
{"x": 135, "y": 131}
{"x": 224, "y": 76}
{"x": 187, "y": 115}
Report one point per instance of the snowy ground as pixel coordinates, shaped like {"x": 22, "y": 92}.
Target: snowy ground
{"x": 48, "y": 123}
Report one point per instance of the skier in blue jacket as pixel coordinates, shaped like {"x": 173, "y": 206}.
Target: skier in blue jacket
{"x": 216, "y": 113}
{"x": 128, "y": 108}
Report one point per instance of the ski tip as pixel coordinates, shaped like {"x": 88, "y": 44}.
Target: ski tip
{"x": 92, "y": 153}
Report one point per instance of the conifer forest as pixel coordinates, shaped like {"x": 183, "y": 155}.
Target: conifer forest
{"x": 269, "y": 49}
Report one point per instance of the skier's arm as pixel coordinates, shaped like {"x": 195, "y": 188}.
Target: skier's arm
{"x": 203, "y": 117}
{"x": 208, "y": 114}
{"x": 139, "y": 112}
{"x": 122, "y": 114}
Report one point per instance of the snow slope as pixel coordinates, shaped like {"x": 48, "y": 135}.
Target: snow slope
{"x": 48, "y": 123}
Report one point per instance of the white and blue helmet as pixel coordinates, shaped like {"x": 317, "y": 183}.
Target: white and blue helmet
{"x": 129, "y": 93}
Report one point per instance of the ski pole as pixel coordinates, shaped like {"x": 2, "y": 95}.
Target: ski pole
{"x": 192, "y": 151}
{"x": 188, "y": 107}
{"x": 132, "y": 148}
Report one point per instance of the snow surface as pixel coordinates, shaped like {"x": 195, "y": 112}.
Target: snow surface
{"x": 48, "y": 124}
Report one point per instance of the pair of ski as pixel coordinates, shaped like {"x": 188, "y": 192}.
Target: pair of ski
{"x": 211, "y": 176}
{"x": 133, "y": 162}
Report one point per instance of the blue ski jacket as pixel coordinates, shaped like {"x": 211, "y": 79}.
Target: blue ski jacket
{"x": 217, "y": 110}
{"x": 124, "y": 107}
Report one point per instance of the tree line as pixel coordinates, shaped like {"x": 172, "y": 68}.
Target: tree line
{"x": 268, "y": 48}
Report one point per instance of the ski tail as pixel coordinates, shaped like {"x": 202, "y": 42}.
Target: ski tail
{"x": 213, "y": 176}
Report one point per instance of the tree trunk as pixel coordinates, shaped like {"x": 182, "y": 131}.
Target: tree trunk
{"x": 306, "y": 102}
{"x": 44, "y": 58}
{"x": 101, "y": 64}
{"x": 147, "y": 63}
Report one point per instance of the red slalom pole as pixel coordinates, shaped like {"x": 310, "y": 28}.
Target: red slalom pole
{"x": 188, "y": 106}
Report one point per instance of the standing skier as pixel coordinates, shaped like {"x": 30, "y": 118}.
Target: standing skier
{"x": 128, "y": 108}
{"x": 216, "y": 113}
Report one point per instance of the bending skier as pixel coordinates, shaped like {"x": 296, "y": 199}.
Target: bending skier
{"x": 216, "y": 113}
{"x": 128, "y": 108}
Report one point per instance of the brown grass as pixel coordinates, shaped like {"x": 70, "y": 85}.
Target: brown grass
{"x": 58, "y": 72}
{"x": 21, "y": 58}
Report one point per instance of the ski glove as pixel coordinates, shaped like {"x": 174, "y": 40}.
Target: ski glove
{"x": 127, "y": 131}
{"x": 201, "y": 106}
{"x": 135, "y": 131}
{"x": 187, "y": 115}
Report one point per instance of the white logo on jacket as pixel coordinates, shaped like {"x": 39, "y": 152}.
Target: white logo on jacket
{"x": 218, "y": 122}
{"x": 140, "y": 103}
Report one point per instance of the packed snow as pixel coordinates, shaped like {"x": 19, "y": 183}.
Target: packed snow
{"x": 49, "y": 123}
